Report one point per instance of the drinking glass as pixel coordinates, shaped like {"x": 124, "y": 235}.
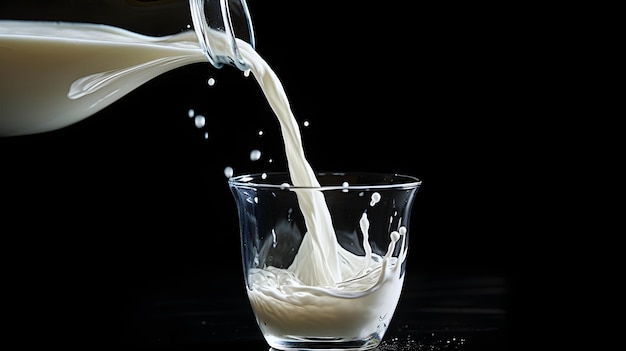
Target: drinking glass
{"x": 324, "y": 266}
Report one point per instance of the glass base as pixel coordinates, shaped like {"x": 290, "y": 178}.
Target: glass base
{"x": 310, "y": 344}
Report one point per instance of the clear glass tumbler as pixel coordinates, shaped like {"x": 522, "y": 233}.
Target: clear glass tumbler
{"x": 324, "y": 266}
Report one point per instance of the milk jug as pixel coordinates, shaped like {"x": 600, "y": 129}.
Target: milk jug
{"x": 62, "y": 61}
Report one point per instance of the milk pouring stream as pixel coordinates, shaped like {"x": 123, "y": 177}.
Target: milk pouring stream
{"x": 107, "y": 63}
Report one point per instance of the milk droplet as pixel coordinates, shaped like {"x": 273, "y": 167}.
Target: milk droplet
{"x": 255, "y": 155}
{"x": 246, "y": 73}
{"x": 375, "y": 198}
{"x": 206, "y": 135}
{"x": 306, "y": 123}
{"x": 395, "y": 236}
{"x": 260, "y": 132}
{"x": 228, "y": 172}
{"x": 191, "y": 113}
{"x": 211, "y": 81}
{"x": 199, "y": 121}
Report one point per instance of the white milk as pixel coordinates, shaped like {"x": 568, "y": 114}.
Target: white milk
{"x": 54, "y": 74}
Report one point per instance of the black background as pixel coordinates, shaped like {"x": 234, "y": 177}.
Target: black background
{"x": 98, "y": 214}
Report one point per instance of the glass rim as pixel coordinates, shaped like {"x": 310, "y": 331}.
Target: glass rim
{"x": 251, "y": 180}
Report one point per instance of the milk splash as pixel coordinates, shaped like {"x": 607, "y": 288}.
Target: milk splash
{"x": 327, "y": 291}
